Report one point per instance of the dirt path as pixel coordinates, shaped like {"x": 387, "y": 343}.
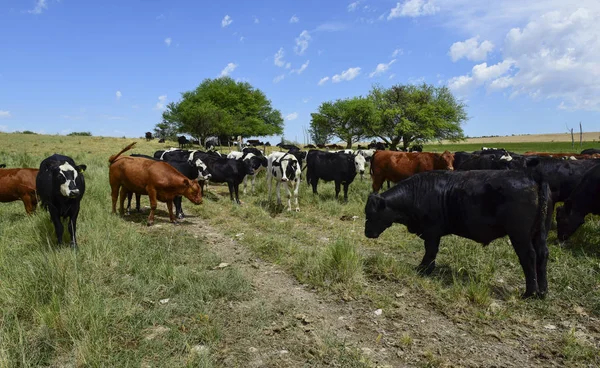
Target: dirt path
{"x": 295, "y": 326}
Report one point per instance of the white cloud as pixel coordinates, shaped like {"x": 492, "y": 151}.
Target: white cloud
{"x": 397, "y": 52}
{"x": 305, "y": 100}
{"x": 471, "y": 49}
{"x": 323, "y": 81}
{"x": 331, "y": 27}
{"x": 292, "y": 116}
{"x": 294, "y": 19}
{"x": 413, "y": 8}
{"x": 242, "y": 38}
{"x": 553, "y": 56}
{"x": 160, "y": 105}
{"x": 226, "y": 21}
{"x": 353, "y": 6}
{"x": 228, "y": 69}
{"x": 278, "y": 58}
{"x": 5, "y": 114}
{"x": 256, "y": 20}
{"x": 168, "y": 41}
{"x": 118, "y": 94}
{"x": 346, "y": 75}
{"x": 40, "y": 6}
{"x": 278, "y": 78}
{"x": 302, "y": 68}
{"x": 381, "y": 68}
{"x": 302, "y": 42}
{"x": 392, "y": 76}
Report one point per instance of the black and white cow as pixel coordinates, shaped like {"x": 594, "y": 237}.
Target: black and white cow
{"x": 584, "y": 199}
{"x": 479, "y": 205}
{"x": 590, "y": 151}
{"x": 60, "y": 185}
{"x": 226, "y": 170}
{"x": 193, "y": 169}
{"x": 367, "y": 154}
{"x": 329, "y": 166}
{"x": 284, "y": 168}
{"x": 257, "y": 162}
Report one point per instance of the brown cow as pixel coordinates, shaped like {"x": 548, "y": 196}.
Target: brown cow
{"x": 18, "y": 184}
{"x": 396, "y": 166}
{"x": 159, "y": 180}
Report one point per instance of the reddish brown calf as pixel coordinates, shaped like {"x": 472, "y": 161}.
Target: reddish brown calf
{"x": 18, "y": 184}
{"x": 159, "y": 180}
{"x": 397, "y": 166}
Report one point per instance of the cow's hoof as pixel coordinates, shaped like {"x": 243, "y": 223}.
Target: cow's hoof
{"x": 529, "y": 295}
{"x": 426, "y": 270}
{"x": 74, "y": 246}
{"x": 150, "y": 223}
{"x": 180, "y": 216}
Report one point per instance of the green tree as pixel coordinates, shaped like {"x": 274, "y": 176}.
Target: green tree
{"x": 410, "y": 113}
{"x": 223, "y": 107}
{"x": 346, "y": 119}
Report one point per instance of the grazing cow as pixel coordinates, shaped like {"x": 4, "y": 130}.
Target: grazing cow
{"x": 162, "y": 140}
{"x": 288, "y": 147}
{"x": 478, "y": 205}
{"x": 254, "y": 142}
{"x": 335, "y": 146}
{"x": 2, "y": 166}
{"x": 196, "y": 142}
{"x": 227, "y": 170}
{"x": 256, "y": 162}
{"x": 321, "y": 146}
{"x": 192, "y": 169}
{"x": 157, "y": 179}
{"x": 183, "y": 141}
{"x": 591, "y": 151}
{"x": 331, "y": 166}
{"x": 584, "y": 199}
{"x": 397, "y": 166}
{"x": 416, "y": 148}
{"x": 310, "y": 146}
{"x": 60, "y": 185}
{"x": 18, "y": 184}
{"x": 268, "y": 144}
{"x": 149, "y": 136}
{"x": 562, "y": 175}
{"x": 284, "y": 167}
{"x": 377, "y": 146}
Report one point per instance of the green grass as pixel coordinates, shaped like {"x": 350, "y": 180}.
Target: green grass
{"x": 96, "y": 307}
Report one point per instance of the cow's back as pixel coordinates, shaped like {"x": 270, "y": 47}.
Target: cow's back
{"x": 137, "y": 174}
{"x": 16, "y": 182}
{"x": 397, "y": 166}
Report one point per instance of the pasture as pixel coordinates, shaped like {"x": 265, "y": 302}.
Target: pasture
{"x": 298, "y": 289}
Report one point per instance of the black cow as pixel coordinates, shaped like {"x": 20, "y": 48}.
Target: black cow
{"x": 253, "y": 150}
{"x": 416, "y": 148}
{"x": 226, "y": 170}
{"x": 467, "y": 161}
{"x": 590, "y": 151}
{"x": 498, "y": 152}
{"x": 310, "y": 146}
{"x": 149, "y": 136}
{"x": 584, "y": 199}
{"x": 330, "y": 166}
{"x": 2, "y": 166}
{"x": 478, "y": 205}
{"x": 268, "y": 144}
{"x": 162, "y": 140}
{"x": 288, "y": 147}
{"x": 211, "y": 142}
{"x": 300, "y": 155}
{"x": 196, "y": 142}
{"x": 193, "y": 169}
{"x": 377, "y": 146}
{"x": 183, "y": 141}
{"x": 60, "y": 185}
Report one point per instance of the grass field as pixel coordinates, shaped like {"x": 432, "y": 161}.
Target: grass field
{"x": 138, "y": 296}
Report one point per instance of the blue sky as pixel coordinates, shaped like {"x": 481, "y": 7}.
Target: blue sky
{"x": 111, "y": 66}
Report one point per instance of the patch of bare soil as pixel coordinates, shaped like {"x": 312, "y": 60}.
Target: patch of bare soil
{"x": 292, "y": 325}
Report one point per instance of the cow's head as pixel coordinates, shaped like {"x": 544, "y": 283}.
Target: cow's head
{"x": 195, "y": 161}
{"x": 248, "y": 167}
{"x": 69, "y": 179}
{"x": 448, "y": 158}
{"x": 379, "y": 216}
{"x": 567, "y": 221}
{"x": 359, "y": 164}
{"x": 192, "y": 191}
{"x": 289, "y": 164}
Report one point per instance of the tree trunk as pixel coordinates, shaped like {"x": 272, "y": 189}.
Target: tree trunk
{"x": 349, "y": 143}
{"x": 394, "y": 143}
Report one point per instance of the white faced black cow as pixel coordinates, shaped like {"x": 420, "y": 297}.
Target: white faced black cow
{"x": 60, "y": 185}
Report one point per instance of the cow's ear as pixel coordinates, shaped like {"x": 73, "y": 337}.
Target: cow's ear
{"x": 186, "y": 182}
{"x": 81, "y": 168}
{"x": 377, "y": 201}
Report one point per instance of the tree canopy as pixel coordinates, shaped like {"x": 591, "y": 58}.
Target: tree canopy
{"x": 411, "y": 113}
{"x": 346, "y": 119}
{"x": 222, "y": 107}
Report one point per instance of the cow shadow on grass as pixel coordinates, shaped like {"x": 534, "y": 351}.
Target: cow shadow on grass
{"x": 161, "y": 217}
{"x": 271, "y": 207}
{"x": 469, "y": 279}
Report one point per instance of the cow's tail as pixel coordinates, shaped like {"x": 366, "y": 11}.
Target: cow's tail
{"x": 114, "y": 157}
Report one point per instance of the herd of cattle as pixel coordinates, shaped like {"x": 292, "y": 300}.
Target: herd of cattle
{"x": 483, "y": 195}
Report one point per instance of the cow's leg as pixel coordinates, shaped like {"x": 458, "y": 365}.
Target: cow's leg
{"x": 278, "y": 189}
{"x": 114, "y": 193}
{"x": 296, "y": 195}
{"x": 128, "y": 209}
{"x": 346, "y": 185}
{"x": 377, "y": 183}
{"x": 172, "y": 217}
{"x": 314, "y": 181}
{"x": 178, "y": 209}
{"x": 289, "y": 195}
{"x": 432, "y": 246}
{"x": 338, "y": 187}
{"x": 137, "y": 202}
{"x": 253, "y": 180}
{"x": 236, "y": 188}
{"x": 527, "y": 257}
{"x": 153, "y": 204}
{"x": 269, "y": 183}
{"x": 246, "y": 182}
{"x": 58, "y": 226}
{"x": 388, "y": 184}
{"x": 541, "y": 251}
{"x": 28, "y": 202}
{"x": 122, "y": 197}
{"x": 231, "y": 190}
{"x": 73, "y": 228}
